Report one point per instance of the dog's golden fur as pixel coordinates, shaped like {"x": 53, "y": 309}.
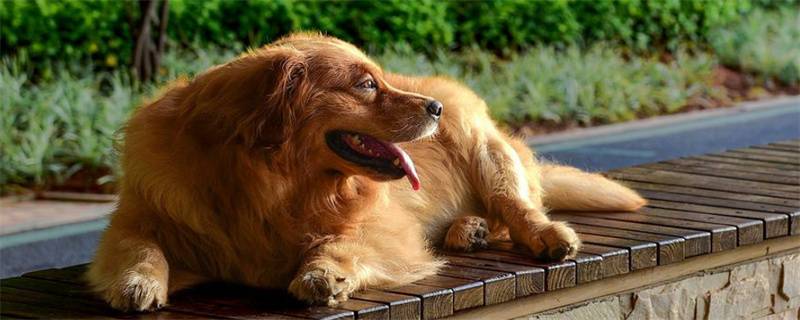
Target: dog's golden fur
{"x": 228, "y": 177}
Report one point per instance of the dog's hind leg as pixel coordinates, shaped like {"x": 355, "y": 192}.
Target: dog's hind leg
{"x": 508, "y": 183}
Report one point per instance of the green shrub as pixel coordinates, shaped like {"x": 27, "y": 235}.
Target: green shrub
{"x": 54, "y": 128}
{"x": 76, "y": 30}
{"x": 573, "y": 85}
{"x": 226, "y": 22}
{"x": 641, "y": 24}
{"x": 765, "y": 44}
{"x": 421, "y": 23}
{"x": 501, "y": 25}
{"x": 71, "y": 30}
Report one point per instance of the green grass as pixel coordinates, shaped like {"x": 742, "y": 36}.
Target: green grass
{"x": 60, "y": 126}
{"x": 766, "y": 44}
{"x": 590, "y": 86}
{"x": 57, "y": 126}
{"x": 68, "y": 120}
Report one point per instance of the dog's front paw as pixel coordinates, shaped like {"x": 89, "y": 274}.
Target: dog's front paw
{"x": 467, "y": 234}
{"x": 321, "y": 285}
{"x": 136, "y": 291}
{"x": 552, "y": 241}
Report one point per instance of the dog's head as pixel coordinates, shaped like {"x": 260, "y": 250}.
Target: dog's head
{"x": 323, "y": 102}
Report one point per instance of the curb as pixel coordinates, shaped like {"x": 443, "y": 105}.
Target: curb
{"x": 665, "y": 120}
{"x": 52, "y": 232}
{"x": 667, "y": 124}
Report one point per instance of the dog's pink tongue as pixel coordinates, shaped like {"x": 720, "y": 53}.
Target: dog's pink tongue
{"x": 407, "y": 164}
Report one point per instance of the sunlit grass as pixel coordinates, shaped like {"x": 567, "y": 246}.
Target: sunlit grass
{"x": 51, "y": 128}
{"x": 766, "y": 44}
{"x": 589, "y": 86}
{"x": 55, "y": 128}
{"x": 58, "y": 127}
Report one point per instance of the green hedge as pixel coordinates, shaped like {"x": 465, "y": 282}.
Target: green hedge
{"x": 43, "y": 30}
{"x": 69, "y": 30}
{"x": 421, "y": 23}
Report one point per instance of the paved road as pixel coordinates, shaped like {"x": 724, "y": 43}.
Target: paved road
{"x": 69, "y": 245}
{"x": 60, "y": 251}
{"x": 669, "y": 141}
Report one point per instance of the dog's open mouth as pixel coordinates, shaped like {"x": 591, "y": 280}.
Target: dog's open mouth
{"x": 381, "y": 156}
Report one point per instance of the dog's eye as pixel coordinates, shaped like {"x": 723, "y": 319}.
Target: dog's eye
{"x": 368, "y": 84}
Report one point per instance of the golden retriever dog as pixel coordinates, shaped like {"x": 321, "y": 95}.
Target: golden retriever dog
{"x": 283, "y": 169}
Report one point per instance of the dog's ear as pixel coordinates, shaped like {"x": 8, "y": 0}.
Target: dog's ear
{"x": 282, "y": 90}
{"x": 254, "y": 98}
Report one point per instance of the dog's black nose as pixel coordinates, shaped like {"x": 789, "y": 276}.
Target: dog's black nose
{"x": 434, "y": 108}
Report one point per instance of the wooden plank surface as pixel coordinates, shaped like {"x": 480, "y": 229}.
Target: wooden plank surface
{"x": 790, "y": 155}
{"x": 48, "y": 290}
{"x": 711, "y": 163}
{"x": 642, "y": 254}
{"x": 723, "y": 237}
{"x": 678, "y": 179}
{"x": 785, "y": 162}
{"x": 748, "y": 162}
{"x": 400, "y": 306}
{"x": 12, "y": 309}
{"x": 498, "y": 286}
{"x": 793, "y": 143}
{"x": 587, "y": 268}
{"x": 241, "y": 302}
{"x": 366, "y": 309}
{"x": 749, "y": 231}
{"x": 529, "y": 280}
{"x": 245, "y": 303}
{"x": 558, "y": 275}
{"x": 645, "y": 186}
{"x": 697, "y": 205}
{"x": 62, "y": 306}
{"x": 466, "y": 293}
{"x": 616, "y": 261}
{"x": 716, "y": 172}
{"x": 775, "y": 224}
{"x": 671, "y": 249}
{"x": 723, "y": 203}
{"x": 704, "y": 180}
{"x": 776, "y": 147}
{"x": 436, "y": 302}
{"x": 697, "y": 242}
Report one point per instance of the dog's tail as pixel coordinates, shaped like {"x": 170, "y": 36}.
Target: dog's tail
{"x": 567, "y": 188}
